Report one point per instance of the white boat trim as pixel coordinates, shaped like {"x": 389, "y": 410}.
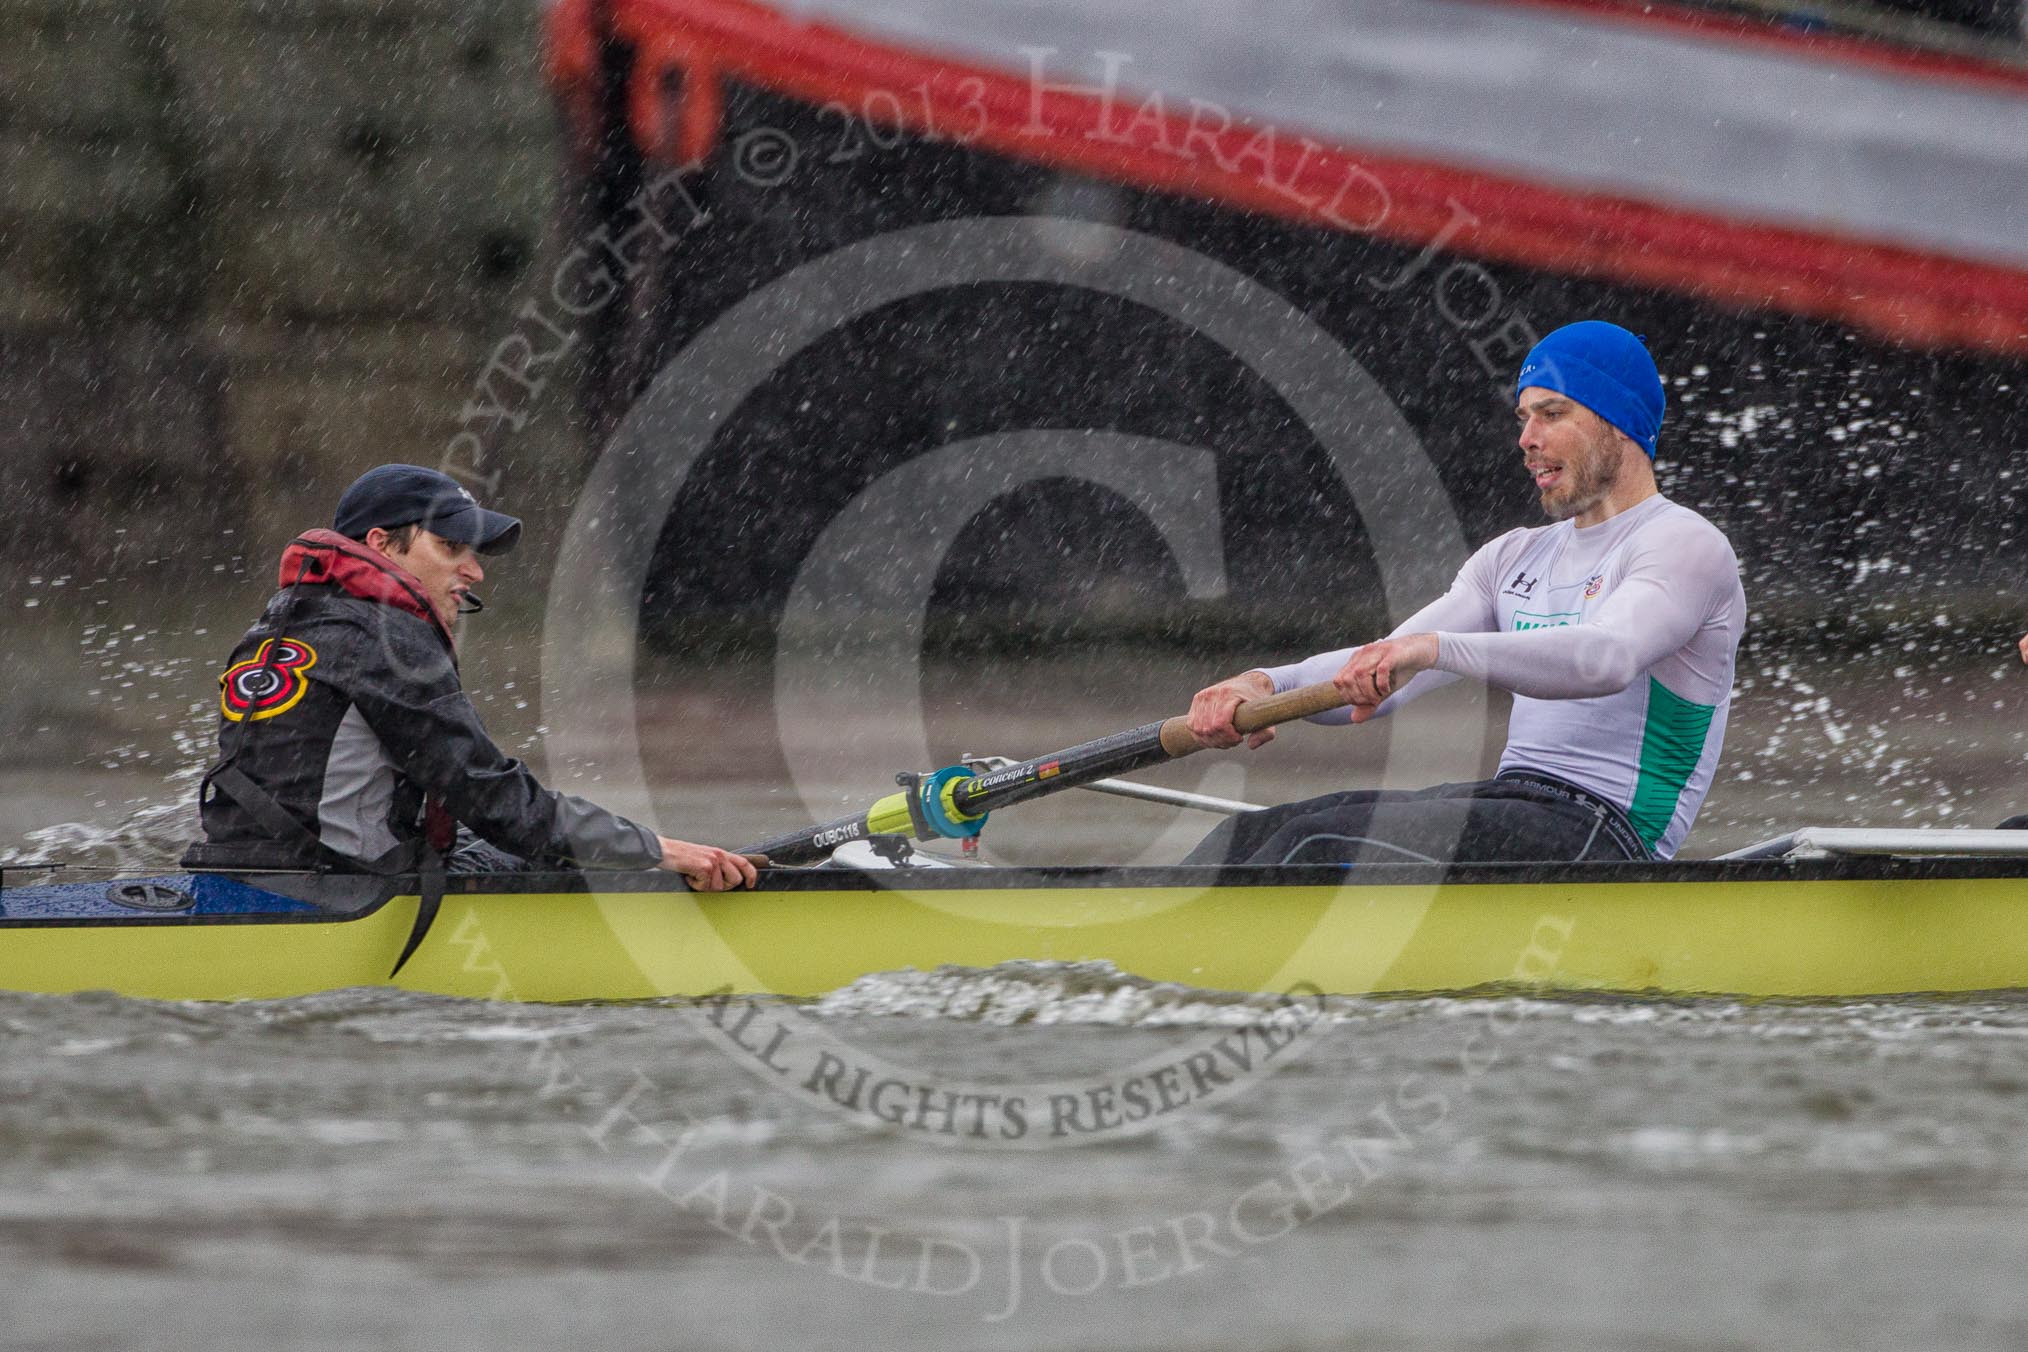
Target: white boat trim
{"x": 1824, "y": 842}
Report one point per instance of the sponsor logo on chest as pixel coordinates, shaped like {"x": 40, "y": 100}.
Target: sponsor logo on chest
{"x": 1524, "y": 619}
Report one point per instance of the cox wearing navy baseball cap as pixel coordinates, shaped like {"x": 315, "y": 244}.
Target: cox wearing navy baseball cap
{"x": 393, "y": 496}
{"x": 346, "y": 739}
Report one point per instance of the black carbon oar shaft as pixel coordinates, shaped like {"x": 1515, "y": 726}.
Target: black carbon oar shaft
{"x": 1119, "y": 754}
{"x": 889, "y": 816}
{"x": 1125, "y": 752}
{"x": 1116, "y": 754}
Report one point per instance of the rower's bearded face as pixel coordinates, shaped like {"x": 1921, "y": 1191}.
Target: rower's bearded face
{"x": 1573, "y": 455}
{"x": 1581, "y": 477}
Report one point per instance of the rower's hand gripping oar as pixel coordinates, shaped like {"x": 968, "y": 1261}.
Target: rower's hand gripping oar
{"x": 1255, "y": 714}
{"x": 952, "y": 803}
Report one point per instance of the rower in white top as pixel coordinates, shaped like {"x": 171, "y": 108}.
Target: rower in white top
{"x": 1615, "y": 628}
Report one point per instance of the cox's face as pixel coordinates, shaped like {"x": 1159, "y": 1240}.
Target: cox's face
{"x": 446, "y": 569}
{"x": 1572, "y": 454}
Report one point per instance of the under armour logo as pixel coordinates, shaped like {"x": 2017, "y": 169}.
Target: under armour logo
{"x": 1520, "y": 586}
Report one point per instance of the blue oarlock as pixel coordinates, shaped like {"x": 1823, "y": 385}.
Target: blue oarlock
{"x": 939, "y": 809}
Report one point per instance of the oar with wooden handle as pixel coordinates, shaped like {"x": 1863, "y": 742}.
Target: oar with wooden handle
{"x": 953, "y": 802}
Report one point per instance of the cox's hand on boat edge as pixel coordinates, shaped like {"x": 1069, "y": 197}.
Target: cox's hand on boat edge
{"x": 2024, "y": 647}
{"x": 1212, "y": 708}
{"x": 706, "y": 867}
{"x": 1379, "y": 669}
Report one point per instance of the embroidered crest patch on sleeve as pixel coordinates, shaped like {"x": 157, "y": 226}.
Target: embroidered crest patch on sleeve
{"x": 268, "y": 683}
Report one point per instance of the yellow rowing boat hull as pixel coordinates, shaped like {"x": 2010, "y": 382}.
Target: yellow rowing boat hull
{"x": 1687, "y": 930}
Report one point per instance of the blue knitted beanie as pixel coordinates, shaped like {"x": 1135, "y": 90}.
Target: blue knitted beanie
{"x": 1606, "y": 369}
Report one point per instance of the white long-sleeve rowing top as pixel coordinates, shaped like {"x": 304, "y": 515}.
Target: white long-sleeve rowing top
{"x": 1617, "y": 641}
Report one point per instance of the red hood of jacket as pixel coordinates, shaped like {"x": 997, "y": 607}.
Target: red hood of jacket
{"x": 325, "y": 556}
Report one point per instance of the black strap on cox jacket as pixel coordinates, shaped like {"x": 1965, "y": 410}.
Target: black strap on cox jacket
{"x": 423, "y": 858}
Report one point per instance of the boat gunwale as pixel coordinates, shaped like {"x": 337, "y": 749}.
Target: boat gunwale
{"x": 1869, "y": 868}
{"x": 1856, "y": 868}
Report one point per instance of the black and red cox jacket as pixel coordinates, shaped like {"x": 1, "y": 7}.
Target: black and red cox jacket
{"x": 342, "y": 705}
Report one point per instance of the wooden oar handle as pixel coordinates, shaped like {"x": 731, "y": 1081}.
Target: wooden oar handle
{"x": 1256, "y": 714}
{"x": 1269, "y": 710}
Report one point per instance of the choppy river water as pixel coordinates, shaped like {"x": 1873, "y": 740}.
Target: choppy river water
{"x": 367, "y": 1170}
